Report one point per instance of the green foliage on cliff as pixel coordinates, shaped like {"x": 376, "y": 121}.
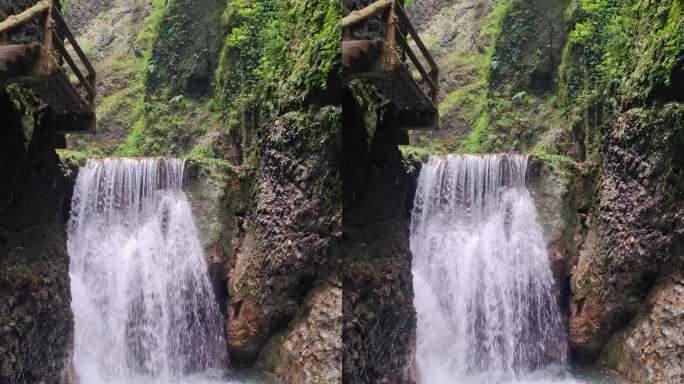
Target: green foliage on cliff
{"x": 185, "y": 50}
{"x": 619, "y": 53}
{"x": 631, "y": 48}
{"x": 170, "y": 115}
{"x": 273, "y": 56}
{"x": 278, "y": 56}
{"x": 521, "y": 60}
{"x": 286, "y": 48}
{"x": 553, "y": 70}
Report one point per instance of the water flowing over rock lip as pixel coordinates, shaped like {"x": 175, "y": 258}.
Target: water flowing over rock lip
{"x": 479, "y": 205}
{"x": 142, "y": 299}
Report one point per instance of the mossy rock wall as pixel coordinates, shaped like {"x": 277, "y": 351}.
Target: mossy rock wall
{"x": 379, "y": 334}
{"x": 36, "y": 325}
{"x": 185, "y": 53}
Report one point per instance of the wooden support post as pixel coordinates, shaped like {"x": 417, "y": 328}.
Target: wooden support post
{"x": 46, "y": 63}
{"x": 48, "y": 27}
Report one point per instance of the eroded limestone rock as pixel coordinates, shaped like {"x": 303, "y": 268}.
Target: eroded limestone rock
{"x": 637, "y": 238}
{"x": 309, "y": 351}
{"x": 651, "y": 350}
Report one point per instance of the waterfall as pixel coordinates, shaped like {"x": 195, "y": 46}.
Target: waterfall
{"x": 484, "y": 291}
{"x": 143, "y": 305}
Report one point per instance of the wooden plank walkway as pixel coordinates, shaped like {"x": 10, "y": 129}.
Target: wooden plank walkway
{"x": 384, "y": 63}
{"x": 39, "y": 67}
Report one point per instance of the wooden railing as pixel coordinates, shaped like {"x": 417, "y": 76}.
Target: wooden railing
{"x": 397, "y": 25}
{"x": 54, "y": 31}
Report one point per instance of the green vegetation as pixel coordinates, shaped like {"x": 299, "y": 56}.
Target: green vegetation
{"x": 75, "y": 159}
{"x": 274, "y": 60}
{"x": 552, "y": 66}
{"x": 275, "y": 56}
{"x": 618, "y": 53}
{"x": 422, "y": 153}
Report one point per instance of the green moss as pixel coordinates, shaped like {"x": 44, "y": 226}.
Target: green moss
{"x": 209, "y": 163}
{"x": 463, "y": 99}
{"x": 184, "y": 51}
{"x": 112, "y": 104}
{"x": 292, "y": 44}
{"x": 510, "y": 86}
{"x": 476, "y": 140}
{"x": 75, "y": 159}
{"x": 619, "y": 53}
{"x": 170, "y": 127}
{"x": 421, "y": 153}
{"x": 150, "y": 27}
{"x": 276, "y": 55}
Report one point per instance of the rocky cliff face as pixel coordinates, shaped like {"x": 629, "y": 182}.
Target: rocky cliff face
{"x": 36, "y": 326}
{"x": 649, "y": 350}
{"x": 634, "y": 245}
{"x": 287, "y": 247}
{"x": 379, "y": 318}
{"x": 635, "y": 249}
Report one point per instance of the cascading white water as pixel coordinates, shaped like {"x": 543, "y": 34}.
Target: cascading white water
{"x": 143, "y": 304}
{"x": 484, "y": 291}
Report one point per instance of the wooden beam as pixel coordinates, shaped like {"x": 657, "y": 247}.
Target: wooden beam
{"x": 360, "y": 56}
{"x": 22, "y": 18}
{"x": 17, "y": 60}
{"x": 356, "y": 17}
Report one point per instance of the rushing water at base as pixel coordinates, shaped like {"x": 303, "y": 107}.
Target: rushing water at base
{"x": 143, "y": 305}
{"x": 484, "y": 291}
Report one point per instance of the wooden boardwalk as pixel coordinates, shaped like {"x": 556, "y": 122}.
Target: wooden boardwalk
{"x": 388, "y": 62}
{"x": 40, "y": 66}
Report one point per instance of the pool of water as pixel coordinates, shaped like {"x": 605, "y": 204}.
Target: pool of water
{"x": 547, "y": 376}
{"x": 208, "y": 377}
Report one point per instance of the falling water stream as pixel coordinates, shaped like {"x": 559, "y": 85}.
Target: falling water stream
{"x": 484, "y": 291}
{"x": 143, "y": 305}
{"x": 145, "y": 312}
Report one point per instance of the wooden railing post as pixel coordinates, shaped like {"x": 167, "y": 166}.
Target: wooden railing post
{"x": 50, "y": 58}
{"x": 431, "y": 77}
{"x": 89, "y": 80}
{"x": 356, "y": 17}
{"x": 48, "y": 27}
{"x": 390, "y": 29}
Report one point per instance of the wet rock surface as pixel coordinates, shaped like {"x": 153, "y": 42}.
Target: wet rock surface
{"x": 36, "y": 326}
{"x": 379, "y": 318}
{"x": 310, "y": 350}
{"x": 554, "y": 188}
{"x": 285, "y": 248}
{"x": 638, "y": 237}
{"x": 651, "y": 349}
{"x": 219, "y": 196}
